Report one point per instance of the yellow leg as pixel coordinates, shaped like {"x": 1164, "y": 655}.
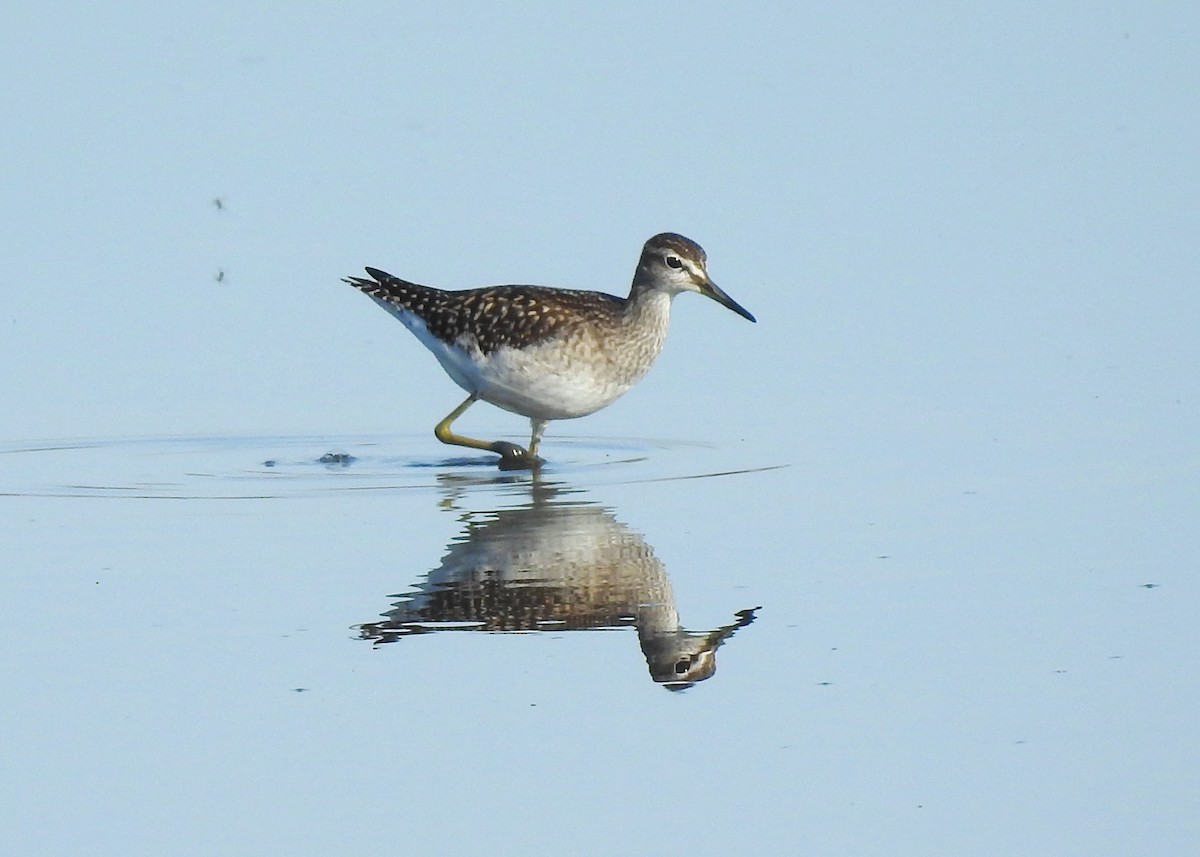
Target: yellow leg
{"x": 539, "y": 427}
{"x": 510, "y": 454}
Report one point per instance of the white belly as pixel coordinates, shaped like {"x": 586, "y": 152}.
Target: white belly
{"x": 535, "y": 382}
{"x": 552, "y": 380}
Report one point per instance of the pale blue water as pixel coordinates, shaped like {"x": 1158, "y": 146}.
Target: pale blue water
{"x": 221, "y": 644}
{"x": 954, "y": 466}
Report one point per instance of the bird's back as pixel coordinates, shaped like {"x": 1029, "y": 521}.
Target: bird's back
{"x": 493, "y": 316}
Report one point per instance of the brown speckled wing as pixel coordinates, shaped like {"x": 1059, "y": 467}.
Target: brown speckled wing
{"x": 495, "y": 316}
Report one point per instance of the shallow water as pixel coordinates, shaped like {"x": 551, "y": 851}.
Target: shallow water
{"x": 927, "y": 585}
{"x": 317, "y": 644}
{"x": 210, "y": 467}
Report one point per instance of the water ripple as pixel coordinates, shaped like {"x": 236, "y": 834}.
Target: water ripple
{"x": 247, "y": 467}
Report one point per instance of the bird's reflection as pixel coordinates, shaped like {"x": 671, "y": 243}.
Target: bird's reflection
{"x": 557, "y": 564}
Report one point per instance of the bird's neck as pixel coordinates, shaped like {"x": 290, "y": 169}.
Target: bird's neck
{"x": 642, "y": 332}
{"x": 648, "y": 308}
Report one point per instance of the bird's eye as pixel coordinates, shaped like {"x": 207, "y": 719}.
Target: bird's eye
{"x": 674, "y": 262}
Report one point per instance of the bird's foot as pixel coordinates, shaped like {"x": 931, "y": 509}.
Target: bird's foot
{"x": 513, "y": 457}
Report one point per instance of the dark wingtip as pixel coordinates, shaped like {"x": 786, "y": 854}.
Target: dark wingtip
{"x": 378, "y": 277}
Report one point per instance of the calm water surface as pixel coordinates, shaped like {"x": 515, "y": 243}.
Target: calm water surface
{"x": 312, "y": 645}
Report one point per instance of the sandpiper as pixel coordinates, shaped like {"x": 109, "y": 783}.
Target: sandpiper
{"x": 547, "y": 353}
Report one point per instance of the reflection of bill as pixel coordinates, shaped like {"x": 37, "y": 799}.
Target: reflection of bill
{"x": 555, "y": 566}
